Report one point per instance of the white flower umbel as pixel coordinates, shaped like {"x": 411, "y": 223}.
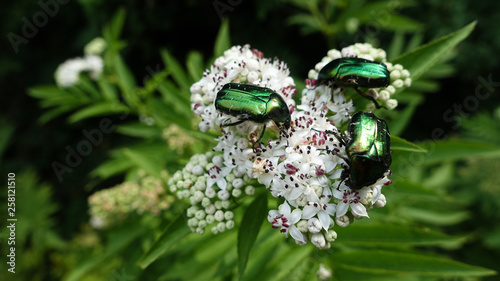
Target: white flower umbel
{"x": 303, "y": 167}
{"x": 67, "y": 74}
{"x": 240, "y": 64}
{"x": 400, "y": 77}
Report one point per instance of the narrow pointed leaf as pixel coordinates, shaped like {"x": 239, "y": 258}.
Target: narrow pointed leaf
{"x": 250, "y": 226}
{"x": 98, "y": 109}
{"x": 222, "y": 42}
{"x": 173, "y": 233}
{"x": 457, "y": 149}
{"x": 385, "y": 262}
{"x": 387, "y": 235}
{"x": 398, "y": 143}
{"x": 422, "y": 58}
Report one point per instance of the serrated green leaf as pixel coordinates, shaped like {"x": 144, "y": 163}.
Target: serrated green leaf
{"x": 249, "y": 229}
{"x": 422, "y": 58}
{"x": 398, "y": 143}
{"x": 390, "y": 235}
{"x": 389, "y": 263}
{"x": 222, "y": 42}
{"x": 175, "y": 231}
{"x": 98, "y": 109}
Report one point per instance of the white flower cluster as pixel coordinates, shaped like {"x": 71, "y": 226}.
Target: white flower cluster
{"x": 209, "y": 205}
{"x": 239, "y": 65}
{"x": 303, "y": 169}
{"x": 400, "y": 77}
{"x": 67, "y": 74}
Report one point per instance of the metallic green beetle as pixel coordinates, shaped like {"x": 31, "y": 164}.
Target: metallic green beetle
{"x": 368, "y": 150}
{"x": 253, "y": 103}
{"x": 354, "y": 73}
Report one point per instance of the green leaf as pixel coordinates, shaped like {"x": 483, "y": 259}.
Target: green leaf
{"x": 389, "y": 263}
{"x": 52, "y": 96}
{"x": 249, "y": 229}
{"x": 88, "y": 87}
{"x": 6, "y": 132}
{"x": 289, "y": 259}
{"x": 175, "y": 231}
{"x": 173, "y": 67}
{"x": 166, "y": 114}
{"x": 53, "y": 113}
{"x": 401, "y": 23}
{"x": 436, "y": 217}
{"x": 111, "y": 168}
{"x": 398, "y": 125}
{"x": 113, "y": 30}
{"x": 194, "y": 64}
{"x": 126, "y": 81}
{"x": 459, "y": 149}
{"x": 98, "y": 109}
{"x": 140, "y": 130}
{"x": 422, "y": 58}
{"x": 118, "y": 239}
{"x": 144, "y": 161}
{"x": 107, "y": 89}
{"x": 222, "y": 42}
{"x": 398, "y": 143}
{"x": 396, "y": 46}
{"x": 390, "y": 235}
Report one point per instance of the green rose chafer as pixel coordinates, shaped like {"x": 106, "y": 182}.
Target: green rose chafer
{"x": 253, "y": 103}
{"x": 355, "y": 73}
{"x": 368, "y": 150}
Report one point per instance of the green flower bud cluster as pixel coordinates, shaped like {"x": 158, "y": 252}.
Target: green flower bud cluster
{"x": 210, "y": 207}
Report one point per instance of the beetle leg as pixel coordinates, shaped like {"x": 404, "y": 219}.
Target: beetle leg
{"x": 378, "y": 106}
{"x": 337, "y": 136}
{"x": 260, "y": 137}
{"x": 234, "y": 123}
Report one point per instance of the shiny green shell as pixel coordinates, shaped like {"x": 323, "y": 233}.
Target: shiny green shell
{"x": 253, "y": 103}
{"x": 355, "y": 72}
{"x": 368, "y": 150}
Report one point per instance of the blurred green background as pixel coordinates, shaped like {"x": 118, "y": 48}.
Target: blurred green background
{"x": 277, "y": 28}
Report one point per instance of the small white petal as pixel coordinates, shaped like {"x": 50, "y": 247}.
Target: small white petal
{"x": 359, "y": 210}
